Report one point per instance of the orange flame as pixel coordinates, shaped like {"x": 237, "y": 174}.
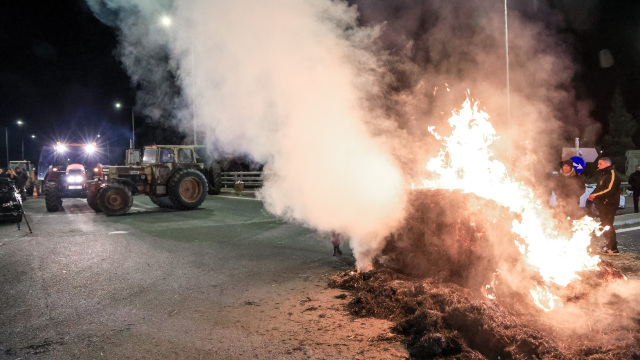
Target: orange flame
{"x": 467, "y": 164}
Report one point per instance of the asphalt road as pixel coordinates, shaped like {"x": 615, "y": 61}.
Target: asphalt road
{"x": 226, "y": 281}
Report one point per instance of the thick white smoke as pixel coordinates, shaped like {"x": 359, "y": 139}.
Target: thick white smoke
{"x": 291, "y": 82}
{"x": 285, "y": 81}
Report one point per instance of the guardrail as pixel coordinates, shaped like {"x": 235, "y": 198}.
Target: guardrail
{"x": 249, "y": 178}
{"x": 254, "y": 179}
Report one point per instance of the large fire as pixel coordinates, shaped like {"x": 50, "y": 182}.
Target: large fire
{"x": 466, "y": 163}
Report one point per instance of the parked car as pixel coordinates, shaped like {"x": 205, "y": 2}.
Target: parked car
{"x": 10, "y": 200}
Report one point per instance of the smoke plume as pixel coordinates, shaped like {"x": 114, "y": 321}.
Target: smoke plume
{"x": 335, "y": 97}
{"x": 284, "y": 81}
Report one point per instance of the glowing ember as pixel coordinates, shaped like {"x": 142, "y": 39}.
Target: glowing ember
{"x": 466, "y": 163}
{"x": 544, "y": 298}
{"x": 489, "y": 291}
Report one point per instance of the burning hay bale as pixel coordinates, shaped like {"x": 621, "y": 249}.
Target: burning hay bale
{"x": 428, "y": 277}
{"x": 450, "y": 235}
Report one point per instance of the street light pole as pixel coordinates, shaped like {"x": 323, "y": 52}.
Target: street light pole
{"x": 6, "y": 141}
{"x": 506, "y": 41}
{"x": 195, "y": 105}
{"x": 167, "y": 22}
{"x": 133, "y": 129}
{"x": 133, "y": 124}
{"x": 20, "y": 123}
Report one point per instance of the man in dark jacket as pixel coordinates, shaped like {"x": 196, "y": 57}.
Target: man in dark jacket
{"x": 606, "y": 196}
{"x": 634, "y": 181}
{"x": 569, "y": 187}
{"x": 21, "y": 180}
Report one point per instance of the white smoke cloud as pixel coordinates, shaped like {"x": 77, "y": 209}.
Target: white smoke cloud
{"x": 284, "y": 81}
{"x": 291, "y": 82}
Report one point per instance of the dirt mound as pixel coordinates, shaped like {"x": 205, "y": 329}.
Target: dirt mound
{"x": 427, "y": 280}
{"x": 445, "y": 321}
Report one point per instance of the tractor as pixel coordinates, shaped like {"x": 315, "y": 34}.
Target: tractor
{"x": 66, "y": 176}
{"x": 170, "y": 175}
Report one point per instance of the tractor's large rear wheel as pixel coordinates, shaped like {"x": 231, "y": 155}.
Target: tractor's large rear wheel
{"x": 187, "y": 189}
{"x": 51, "y": 197}
{"x": 115, "y": 199}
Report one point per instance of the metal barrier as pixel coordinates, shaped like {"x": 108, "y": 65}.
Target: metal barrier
{"x": 249, "y": 178}
{"x": 254, "y": 179}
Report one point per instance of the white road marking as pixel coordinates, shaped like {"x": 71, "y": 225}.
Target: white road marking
{"x": 238, "y": 197}
{"x": 118, "y": 232}
{"x": 627, "y": 229}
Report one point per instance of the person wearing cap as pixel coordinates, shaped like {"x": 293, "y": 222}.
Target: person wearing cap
{"x": 606, "y": 197}
{"x": 569, "y": 187}
{"x": 634, "y": 181}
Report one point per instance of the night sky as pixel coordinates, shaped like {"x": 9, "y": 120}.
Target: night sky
{"x": 59, "y": 74}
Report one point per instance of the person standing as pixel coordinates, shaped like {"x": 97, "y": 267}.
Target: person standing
{"x": 21, "y": 180}
{"x": 335, "y": 240}
{"x": 606, "y": 197}
{"x": 634, "y": 181}
{"x": 569, "y": 187}
{"x": 10, "y": 174}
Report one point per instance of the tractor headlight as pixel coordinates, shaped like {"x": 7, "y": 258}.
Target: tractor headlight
{"x": 74, "y": 179}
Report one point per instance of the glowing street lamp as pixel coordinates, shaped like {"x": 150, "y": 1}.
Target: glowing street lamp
{"x": 165, "y": 21}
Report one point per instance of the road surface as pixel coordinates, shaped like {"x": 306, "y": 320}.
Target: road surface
{"x": 227, "y": 281}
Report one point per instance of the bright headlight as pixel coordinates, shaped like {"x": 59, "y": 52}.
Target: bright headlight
{"x": 61, "y": 148}
{"x": 90, "y": 148}
{"x": 74, "y": 179}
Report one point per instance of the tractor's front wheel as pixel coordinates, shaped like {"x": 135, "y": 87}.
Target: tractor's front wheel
{"x": 115, "y": 199}
{"x": 93, "y": 202}
{"x": 51, "y": 197}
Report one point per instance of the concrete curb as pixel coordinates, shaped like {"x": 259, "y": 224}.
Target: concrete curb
{"x": 626, "y": 219}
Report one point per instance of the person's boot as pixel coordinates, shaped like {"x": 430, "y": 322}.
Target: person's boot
{"x": 336, "y": 250}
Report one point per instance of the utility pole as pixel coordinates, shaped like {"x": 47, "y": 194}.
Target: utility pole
{"x": 6, "y": 141}
{"x": 506, "y": 41}
{"x": 133, "y": 128}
